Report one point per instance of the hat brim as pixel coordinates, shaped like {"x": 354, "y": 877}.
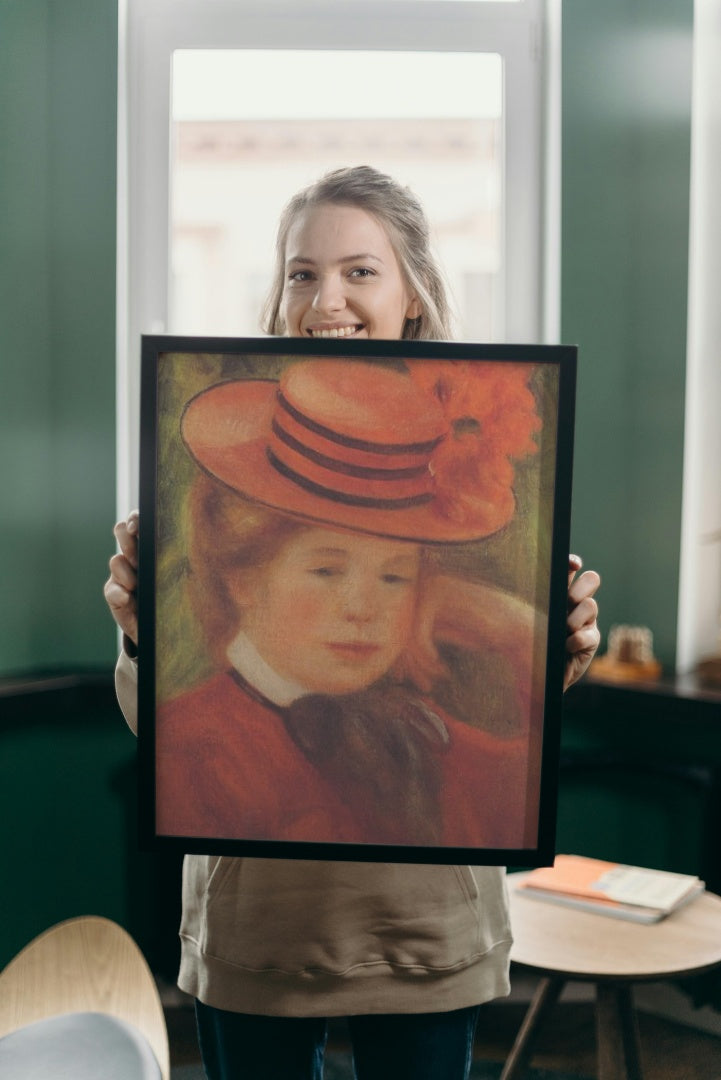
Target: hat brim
{"x": 225, "y": 430}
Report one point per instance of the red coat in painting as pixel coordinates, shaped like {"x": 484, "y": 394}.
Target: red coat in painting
{"x": 226, "y": 767}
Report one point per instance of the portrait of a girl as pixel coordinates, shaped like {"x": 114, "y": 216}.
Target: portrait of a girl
{"x": 318, "y": 518}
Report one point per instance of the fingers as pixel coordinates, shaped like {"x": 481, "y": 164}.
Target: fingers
{"x": 581, "y": 648}
{"x": 584, "y": 641}
{"x": 582, "y": 587}
{"x": 582, "y": 607}
{"x": 575, "y": 563}
{"x": 120, "y": 600}
{"x": 120, "y": 588}
{"x": 123, "y": 608}
{"x": 124, "y": 572}
{"x": 580, "y": 614}
{"x": 583, "y": 636}
{"x": 126, "y": 534}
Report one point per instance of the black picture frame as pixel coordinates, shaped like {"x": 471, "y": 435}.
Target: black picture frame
{"x": 456, "y": 802}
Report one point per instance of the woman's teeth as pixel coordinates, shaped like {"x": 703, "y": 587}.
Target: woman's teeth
{"x": 337, "y": 331}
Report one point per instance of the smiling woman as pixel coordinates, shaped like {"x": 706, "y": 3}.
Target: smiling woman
{"x": 333, "y": 451}
{"x": 353, "y": 259}
{"x": 338, "y": 257}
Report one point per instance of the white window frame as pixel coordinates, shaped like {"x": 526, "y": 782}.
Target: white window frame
{"x": 526, "y": 34}
{"x": 699, "y": 597}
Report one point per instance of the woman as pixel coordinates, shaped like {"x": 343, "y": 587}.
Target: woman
{"x": 272, "y": 948}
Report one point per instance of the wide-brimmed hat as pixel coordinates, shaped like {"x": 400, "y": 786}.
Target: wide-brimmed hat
{"x": 341, "y": 443}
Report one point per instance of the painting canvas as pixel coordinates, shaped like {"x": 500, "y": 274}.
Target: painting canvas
{"x": 352, "y": 597}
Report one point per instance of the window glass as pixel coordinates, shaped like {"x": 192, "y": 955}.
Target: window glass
{"x": 251, "y": 127}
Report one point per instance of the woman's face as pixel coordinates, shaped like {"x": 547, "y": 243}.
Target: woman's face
{"x": 332, "y": 610}
{"x": 342, "y": 277}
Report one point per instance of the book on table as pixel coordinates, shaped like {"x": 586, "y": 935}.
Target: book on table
{"x": 609, "y": 888}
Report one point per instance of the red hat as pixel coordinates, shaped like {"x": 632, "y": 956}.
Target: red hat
{"x": 346, "y": 444}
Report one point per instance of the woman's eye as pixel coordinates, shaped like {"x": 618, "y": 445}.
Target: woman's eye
{"x": 324, "y": 571}
{"x": 362, "y": 272}
{"x": 300, "y": 276}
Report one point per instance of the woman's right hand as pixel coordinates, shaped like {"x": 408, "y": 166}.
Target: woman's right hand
{"x": 121, "y": 587}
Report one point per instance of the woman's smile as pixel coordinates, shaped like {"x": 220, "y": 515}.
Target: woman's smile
{"x": 335, "y": 331}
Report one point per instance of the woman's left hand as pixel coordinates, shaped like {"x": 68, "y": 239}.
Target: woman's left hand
{"x": 583, "y": 636}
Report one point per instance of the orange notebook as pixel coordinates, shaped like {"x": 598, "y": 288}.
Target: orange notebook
{"x": 630, "y": 892}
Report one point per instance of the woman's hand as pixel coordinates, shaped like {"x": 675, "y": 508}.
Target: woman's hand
{"x": 582, "y": 633}
{"x": 121, "y": 587}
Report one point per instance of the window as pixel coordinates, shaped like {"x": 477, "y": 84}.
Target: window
{"x": 227, "y": 107}
{"x": 236, "y": 160}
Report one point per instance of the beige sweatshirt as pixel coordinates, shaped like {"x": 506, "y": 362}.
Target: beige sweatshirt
{"x": 286, "y": 937}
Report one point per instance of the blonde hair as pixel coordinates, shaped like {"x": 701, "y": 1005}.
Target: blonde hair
{"x": 402, "y": 216}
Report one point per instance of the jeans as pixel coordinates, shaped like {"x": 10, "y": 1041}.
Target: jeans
{"x": 416, "y": 1046}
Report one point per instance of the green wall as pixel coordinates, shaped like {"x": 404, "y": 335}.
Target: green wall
{"x": 626, "y": 134}
{"x": 58, "y": 72}
{"x": 68, "y": 804}
{"x": 626, "y": 145}
{"x": 66, "y": 759}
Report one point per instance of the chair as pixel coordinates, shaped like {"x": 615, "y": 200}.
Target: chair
{"x": 80, "y": 1002}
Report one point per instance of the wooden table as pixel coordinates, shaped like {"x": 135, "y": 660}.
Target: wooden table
{"x": 563, "y": 944}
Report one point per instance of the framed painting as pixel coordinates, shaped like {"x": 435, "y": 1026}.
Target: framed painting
{"x": 352, "y": 597}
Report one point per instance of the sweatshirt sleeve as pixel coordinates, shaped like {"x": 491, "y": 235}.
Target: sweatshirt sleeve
{"x": 126, "y": 688}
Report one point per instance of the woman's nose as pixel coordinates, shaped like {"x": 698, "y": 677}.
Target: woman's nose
{"x": 329, "y": 296}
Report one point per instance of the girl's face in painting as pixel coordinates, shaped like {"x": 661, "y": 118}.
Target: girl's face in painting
{"x": 342, "y": 277}
{"x": 332, "y": 610}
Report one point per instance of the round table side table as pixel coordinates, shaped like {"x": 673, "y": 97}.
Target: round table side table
{"x": 564, "y": 944}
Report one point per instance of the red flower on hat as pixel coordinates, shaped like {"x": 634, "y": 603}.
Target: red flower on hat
{"x": 492, "y": 418}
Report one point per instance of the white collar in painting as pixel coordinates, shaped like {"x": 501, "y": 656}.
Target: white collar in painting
{"x": 248, "y": 662}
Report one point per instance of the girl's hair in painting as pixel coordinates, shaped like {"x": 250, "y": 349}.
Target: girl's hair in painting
{"x": 402, "y": 216}
{"x": 229, "y": 536}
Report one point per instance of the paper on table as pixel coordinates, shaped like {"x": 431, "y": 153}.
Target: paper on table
{"x": 652, "y": 888}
